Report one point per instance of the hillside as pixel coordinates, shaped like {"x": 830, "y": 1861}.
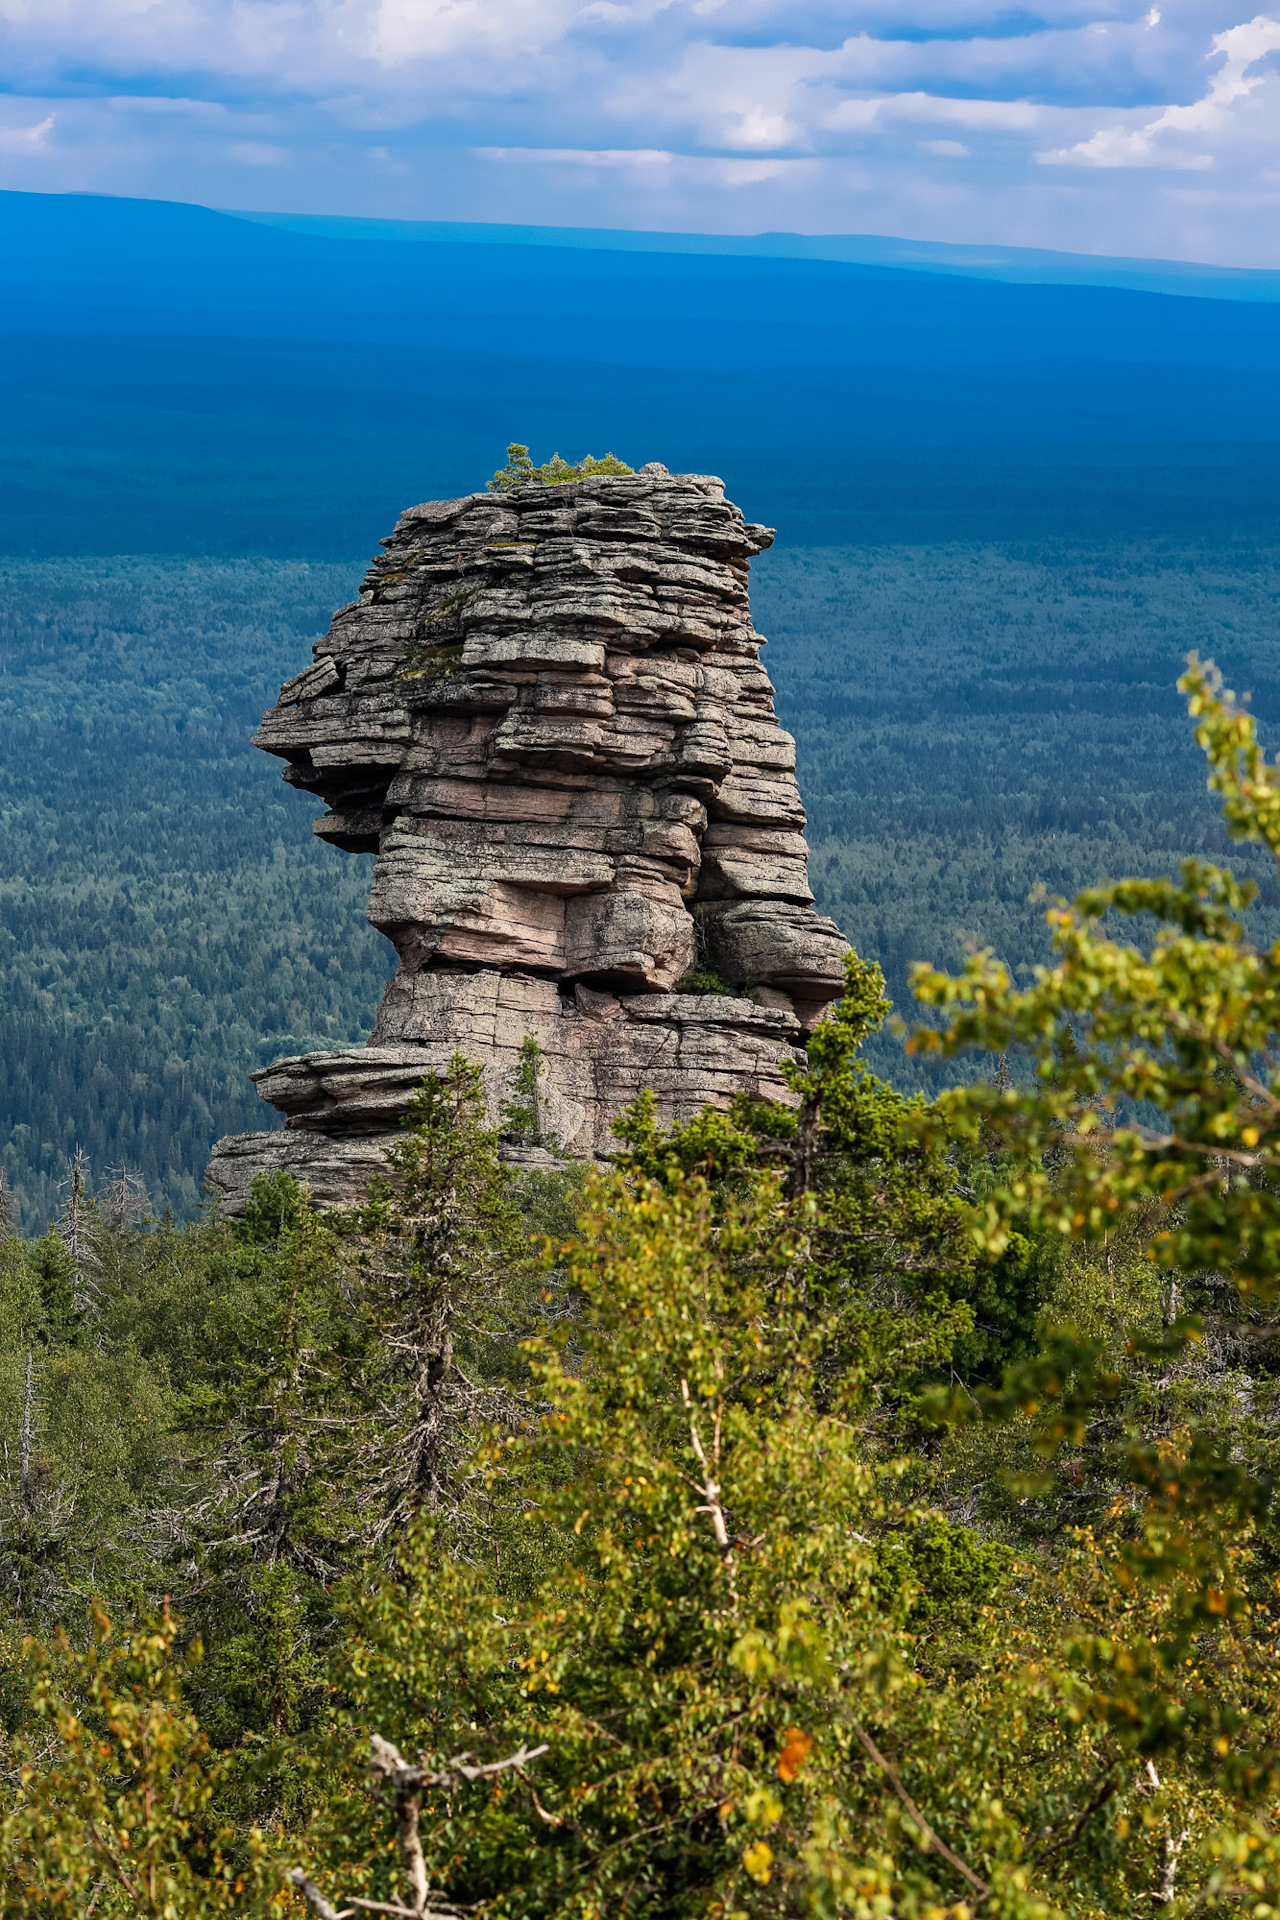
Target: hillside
{"x": 178, "y": 380}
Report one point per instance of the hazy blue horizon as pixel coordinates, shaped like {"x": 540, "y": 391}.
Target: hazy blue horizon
{"x": 1038, "y": 265}
{"x": 182, "y": 380}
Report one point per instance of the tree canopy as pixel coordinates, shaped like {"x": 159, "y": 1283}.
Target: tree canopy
{"x": 860, "y": 1504}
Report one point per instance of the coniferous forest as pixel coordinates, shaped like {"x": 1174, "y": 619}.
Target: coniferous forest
{"x": 863, "y": 1506}
{"x": 973, "y": 720}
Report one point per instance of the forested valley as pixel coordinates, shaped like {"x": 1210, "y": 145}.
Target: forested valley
{"x": 168, "y": 923}
{"x": 974, "y": 720}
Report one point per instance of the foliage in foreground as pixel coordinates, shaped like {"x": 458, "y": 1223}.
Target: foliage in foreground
{"x": 875, "y": 1517}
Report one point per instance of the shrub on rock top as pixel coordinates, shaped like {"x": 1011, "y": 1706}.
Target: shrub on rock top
{"x": 521, "y": 472}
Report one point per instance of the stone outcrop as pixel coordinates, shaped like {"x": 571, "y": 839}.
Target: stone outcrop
{"x": 547, "y": 717}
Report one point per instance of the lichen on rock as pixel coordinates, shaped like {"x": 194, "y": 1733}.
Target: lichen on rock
{"x": 547, "y": 717}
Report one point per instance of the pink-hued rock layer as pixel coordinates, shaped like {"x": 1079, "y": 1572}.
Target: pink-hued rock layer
{"x": 547, "y": 717}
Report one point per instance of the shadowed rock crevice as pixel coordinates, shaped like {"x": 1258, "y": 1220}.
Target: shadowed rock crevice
{"x": 547, "y": 717}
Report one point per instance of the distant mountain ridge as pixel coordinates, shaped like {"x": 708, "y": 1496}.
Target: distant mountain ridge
{"x": 85, "y": 263}
{"x": 177, "y": 379}
{"x": 1032, "y": 266}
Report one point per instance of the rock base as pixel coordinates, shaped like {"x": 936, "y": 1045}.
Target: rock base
{"x": 690, "y": 1050}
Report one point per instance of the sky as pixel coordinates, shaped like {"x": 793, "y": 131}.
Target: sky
{"x": 1086, "y": 125}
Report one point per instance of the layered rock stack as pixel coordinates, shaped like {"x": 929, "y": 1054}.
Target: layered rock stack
{"x": 547, "y": 717}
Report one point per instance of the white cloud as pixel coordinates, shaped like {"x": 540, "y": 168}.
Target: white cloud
{"x": 818, "y": 115}
{"x": 252, "y": 153}
{"x": 1241, "y": 49}
{"x": 628, "y": 157}
{"x": 704, "y": 168}
{"x": 24, "y": 139}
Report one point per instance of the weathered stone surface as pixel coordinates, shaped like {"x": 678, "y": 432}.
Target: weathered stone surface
{"x": 547, "y": 717}
{"x": 337, "y": 1172}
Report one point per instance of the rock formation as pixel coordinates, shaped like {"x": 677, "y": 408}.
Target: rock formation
{"x": 547, "y": 717}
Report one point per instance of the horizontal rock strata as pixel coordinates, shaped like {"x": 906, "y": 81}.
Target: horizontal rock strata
{"x": 547, "y": 717}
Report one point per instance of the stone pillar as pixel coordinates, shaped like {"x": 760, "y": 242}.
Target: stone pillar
{"x": 547, "y": 716}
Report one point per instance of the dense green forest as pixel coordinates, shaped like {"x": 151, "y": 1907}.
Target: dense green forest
{"x": 857, "y": 1507}
{"x": 973, "y": 720}
{"x": 976, "y": 721}
{"x": 168, "y": 922}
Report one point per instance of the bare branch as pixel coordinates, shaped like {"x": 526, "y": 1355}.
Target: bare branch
{"x": 389, "y": 1906}
{"x": 112, "y": 1862}
{"x": 552, "y": 1819}
{"x": 311, "y": 1893}
{"x": 1095, "y": 1805}
{"x": 710, "y": 1489}
{"x": 390, "y": 1765}
{"x": 1166, "y": 1892}
{"x": 406, "y": 1784}
{"x": 890, "y": 1773}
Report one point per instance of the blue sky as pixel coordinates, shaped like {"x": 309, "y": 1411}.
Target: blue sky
{"x": 1086, "y": 125}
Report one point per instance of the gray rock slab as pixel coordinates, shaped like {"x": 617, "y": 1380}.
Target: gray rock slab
{"x": 531, "y": 715}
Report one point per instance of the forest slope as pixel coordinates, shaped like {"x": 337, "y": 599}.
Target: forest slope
{"x": 973, "y": 719}
{"x": 167, "y": 922}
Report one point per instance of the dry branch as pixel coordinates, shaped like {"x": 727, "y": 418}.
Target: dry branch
{"x": 406, "y": 1784}
{"x": 890, "y": 1773}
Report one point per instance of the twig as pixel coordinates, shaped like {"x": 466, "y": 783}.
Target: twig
{"x": 710, "y": 1489}
{"x": 890, "y": 1773}
{"x": 1095, "y": 1805}
{"x": 389, "y": 1764}
{"x": 113, "y": 1863}
{"x": 389, "y": 1906}
{"x": 313, "y": 1896}
{"x": 552, "y": 1819}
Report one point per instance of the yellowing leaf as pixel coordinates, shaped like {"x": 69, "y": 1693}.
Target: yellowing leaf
{"x": 758, "y": 1861}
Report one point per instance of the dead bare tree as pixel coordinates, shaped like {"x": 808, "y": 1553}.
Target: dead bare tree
{"x": 438, "y": 1257}
{"x": 123, "y": 1201}
{"x": 24, "y": 1459}
{"x": 383, "y": 1344}
{"x": 266, "y": 1455}
{"x": 394, "y": 1780}
{"x": 37, "y": 1509}
{"x": 75, "y": 1229}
